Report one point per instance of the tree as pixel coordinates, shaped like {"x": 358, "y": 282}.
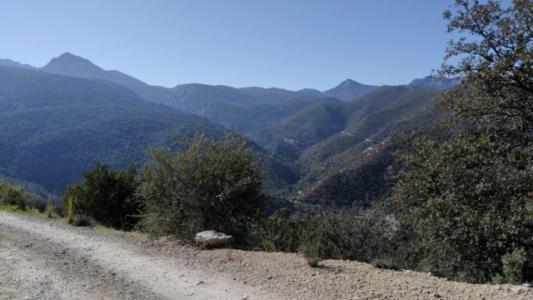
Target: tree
{"x": 470, "y": 198}
{"x": 105, "y": 195}
{"x": 209, "y": 185}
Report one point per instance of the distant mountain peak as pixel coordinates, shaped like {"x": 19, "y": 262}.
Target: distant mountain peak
{"x": 349, "y": 82}
{"x": 72, "y": 65}
{"x": 69, "y": 60}
{"x": 67, "y": 55}
{"x": 348, "y": 90}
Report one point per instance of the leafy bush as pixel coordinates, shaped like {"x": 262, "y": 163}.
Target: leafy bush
{"x": 363, "y": 235}
{"x": 105, "y": 195}
{"x": 17, "y": 196}
{"x": 209, "y": 185}
{"x": 11, "y": 195}
{"x": 353, "y": 234}
{"x": 312, "y": 250}
{"x": 282, "y": 231}
{"x": 513, "y": 266}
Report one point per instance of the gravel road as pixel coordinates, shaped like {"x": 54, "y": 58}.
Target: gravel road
{"x": 41, "y": 259}
{"x": 49, "y": 260}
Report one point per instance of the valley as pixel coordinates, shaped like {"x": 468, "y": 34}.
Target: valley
{"x": 223, "y": 150}
{"x": 59, "y": 119}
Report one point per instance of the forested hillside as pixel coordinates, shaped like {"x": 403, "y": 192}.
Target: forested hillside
{"x": 53, "y": 127}
{"x": 333, "y": 140}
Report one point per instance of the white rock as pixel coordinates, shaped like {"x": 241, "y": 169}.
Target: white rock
{"x": 211, "y": 238}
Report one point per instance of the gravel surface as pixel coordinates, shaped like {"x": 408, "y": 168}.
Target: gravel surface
{"x": 51, "y": 260}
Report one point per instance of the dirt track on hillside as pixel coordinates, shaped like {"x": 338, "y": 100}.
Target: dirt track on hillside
{"x": 51, "y": 260}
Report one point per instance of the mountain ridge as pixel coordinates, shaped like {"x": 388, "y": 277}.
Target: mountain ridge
{"x": 317, "y": 138}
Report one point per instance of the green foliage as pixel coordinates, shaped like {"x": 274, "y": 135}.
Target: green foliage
{"x": 513, "y": 266}
{"x": 16, "y": 196}
{"x": 208, "y": 186}
{"x": 313, "y": 249}
{"x": 282, "y": 231}
{"x": 105, "y": 195}
{"x": 365, "y": 235}
{"x": 351, "y": 234}
{"x": 469, "y": 198}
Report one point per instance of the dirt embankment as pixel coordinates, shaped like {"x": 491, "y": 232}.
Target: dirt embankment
{"x": 50, "y": 260}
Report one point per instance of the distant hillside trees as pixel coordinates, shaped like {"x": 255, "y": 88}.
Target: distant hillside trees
{"x": 470, "y": 199}
{"x": 208, "y": 185}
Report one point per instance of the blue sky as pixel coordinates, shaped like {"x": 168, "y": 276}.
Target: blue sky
{"x": 284, "y": 43}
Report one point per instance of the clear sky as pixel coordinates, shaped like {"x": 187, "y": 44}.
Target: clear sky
{"x": 284, "y": 43}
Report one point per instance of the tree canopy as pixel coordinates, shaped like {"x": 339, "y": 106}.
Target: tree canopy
{"x": 470, "y": 198}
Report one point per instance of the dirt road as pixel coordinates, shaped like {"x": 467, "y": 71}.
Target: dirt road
{"x": 51, "y": 260}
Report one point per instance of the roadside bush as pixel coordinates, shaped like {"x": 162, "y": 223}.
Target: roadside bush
{"x": 282, "y": 231}
{"x": 363, "y": 235}
{"x": 17, "y": 196}
{"x": 105, "y": 195}
{"x": 513, "y": 266}
{"x": 11, "y": 195}
{"x": 209, "y": 185}
{"x": 313, "y": 250}
{"x": 354, "y": 234}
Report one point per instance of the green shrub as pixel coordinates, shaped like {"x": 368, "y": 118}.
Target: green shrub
{"x": 513, "y": 266}
{"x": 352, "y": 234}
{"x": 282, "y": 231}
{"x": 105, "y": 195}
{"x": 17, "y": 196}
{"x": 208, "y": 186}
{"x": 312, "y": 250}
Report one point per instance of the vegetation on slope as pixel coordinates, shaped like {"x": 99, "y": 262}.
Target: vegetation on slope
{"x": 53, "y": 127}
{"x": 469, "y": 199}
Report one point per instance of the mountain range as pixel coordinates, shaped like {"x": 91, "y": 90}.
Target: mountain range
{"x": 58, "y": 119}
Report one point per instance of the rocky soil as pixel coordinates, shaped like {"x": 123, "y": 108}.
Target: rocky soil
{"x": 50, "y": 260}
